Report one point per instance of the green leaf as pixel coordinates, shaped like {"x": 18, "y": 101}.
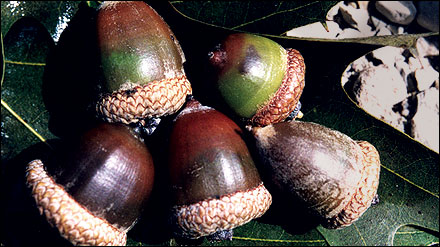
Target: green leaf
{"x": 54, "y": 15}
{"x": 36, "y": 75}
{"x": 255, "y": 17}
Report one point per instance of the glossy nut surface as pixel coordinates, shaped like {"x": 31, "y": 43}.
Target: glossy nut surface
{"x": 334, "y": 176}
{"x": 101, "y": 185}
{"x": 258, "y": 79}
{"x": 214, "y": 182}
{"x": 142, "y": 63}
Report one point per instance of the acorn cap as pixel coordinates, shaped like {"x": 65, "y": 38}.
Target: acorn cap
{"x": 214, "y": 183}
{"x": 142, "y": 63}
{"x": 74, "y": 222}
{"x": 366, "y": 191}
{"x": 284, "y": 101}
{"x": 156, "y": 99}
{"x": 229, "y": 211}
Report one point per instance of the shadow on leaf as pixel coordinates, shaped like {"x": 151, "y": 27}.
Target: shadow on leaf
{"x": 72, "y": 76}
{"x": 20, "y": 215}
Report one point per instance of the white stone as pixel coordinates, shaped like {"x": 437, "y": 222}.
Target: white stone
{"x": 316, "y": 30}
{"x": 388, "y": 54}
{"x": 400, "y": 12}
{"x": 414, "y": 64}
{"x": 426, "y": 48}
{"x": 334, "y": 11}
{"x": 363, "y": 4}
{"x": 425, "y": 77}
{"x": 384, "y": 31}
{"x": 361, "y": 64}
{"x": 349, "y": 33}
{"x": 428, "y": 15}
{"x": 356, "y": 18}
{"x": 380, "y": 85}
{"x": 426, "y": 120}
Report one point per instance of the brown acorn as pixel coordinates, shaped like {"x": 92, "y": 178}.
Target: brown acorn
{"x": 142, "y": 62}
{"x": 258, "y": 79}
{"x": 214, "y": 182}
{"x": 98, "y": 193}
{"x": 335, "y": 177}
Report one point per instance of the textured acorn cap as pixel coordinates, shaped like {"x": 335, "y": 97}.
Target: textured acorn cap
{"x": 227, "y": 212}
{"x": 334, "y": 176}
{"x": 73, "y": 221}
{"x": 284, "y": 101}
{"x": 156, "y": 99}
{"x": 366, "y": 191}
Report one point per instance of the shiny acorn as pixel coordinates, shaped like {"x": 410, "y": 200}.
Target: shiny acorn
{"x": 334, "y": 176}
{"x": 215, "y": 185}
{"x": 142, "y": 63}
{"x": 257, "y": 78}
{"x": 98, "y": 189}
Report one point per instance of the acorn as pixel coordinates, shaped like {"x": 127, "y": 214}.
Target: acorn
{"x": 99, "y": 190}
{"x": 335, "y": 177}
{"x": 258, "y": 79}
{"x": 215, "y": 185}
{"x": 142, "y": 63}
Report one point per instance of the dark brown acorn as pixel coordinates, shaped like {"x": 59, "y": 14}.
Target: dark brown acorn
{"x": 258, "y": 79}
{"x": 142, "y": 62}
{"x": 98, "y": 193}
{"x": 215, "y": 184}
{"x": 335, "y": 177}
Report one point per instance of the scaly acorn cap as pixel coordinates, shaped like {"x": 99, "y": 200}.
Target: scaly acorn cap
{"x": 258, "y": 79}
{"x": 74, "y": 222}
{"x": 96, "y": 188}
{"x": 366, "y": 191}
{"x": 215, "y": 185}
{"x": 335, "y": 176}
{"x": 142, "y": 63}
{"x": 284, "y": 101}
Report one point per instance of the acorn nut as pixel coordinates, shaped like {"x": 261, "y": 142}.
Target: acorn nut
{"x": 96, "y": 195}
{"x": 335, "y": 177}
{"x": 142, "y": 63}
{"x": 214, "y": 183}
{"x": 257, "y": 78}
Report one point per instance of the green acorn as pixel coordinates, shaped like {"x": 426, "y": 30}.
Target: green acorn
{"x": 258, "y": 79}
{"x": 142, "y": 62}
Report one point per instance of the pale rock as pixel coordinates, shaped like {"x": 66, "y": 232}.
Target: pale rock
{"x": 361, "y": 64}
{"x": 414, "y": 64}
{"x": 425, "y": 77}
{"x": 356, "y": 18}
{"x": 363, "y": 4}
{"x": 334, "y": 11}
{"x": 383, "y": 32}
{"x": 428, "y": 15}
{"x": 400, "y": 12}
{"x": 395, "y": 29}
{"x": 316, "y": 30}
{"x": 426, "y": 48}
{"x": 405, "y": 71}
{"x": 385, "y": 114}
{"x": 380, "y": 27}
{"x": 425, "y": 122}
{"x": 388, "y": 54}
{"x": 377, "y": 23}
{"x": 400, "y": 30}
{"x": 424, "y": 61}
{"x": 349, "y": 33}
{"x": 380, "y": 87}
